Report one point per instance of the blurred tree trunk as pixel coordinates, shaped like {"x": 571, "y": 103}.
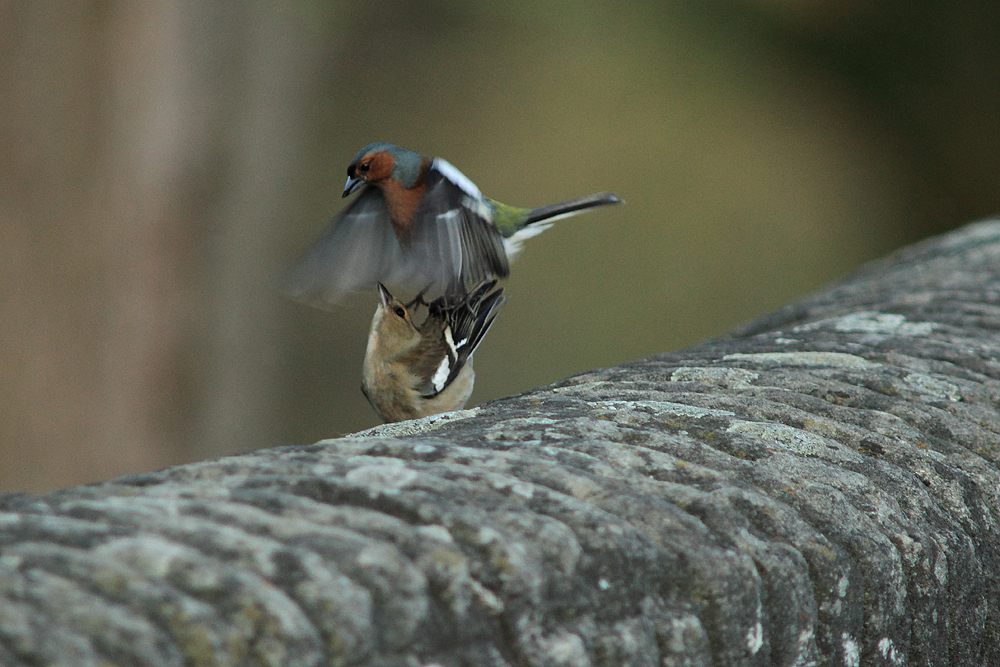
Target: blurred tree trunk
{"x": 147, "y": 149}
{"x": 126, "y": 344}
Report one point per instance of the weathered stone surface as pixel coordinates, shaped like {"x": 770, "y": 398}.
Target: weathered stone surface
{"x": 818, "y": 488}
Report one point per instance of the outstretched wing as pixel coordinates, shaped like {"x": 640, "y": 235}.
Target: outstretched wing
{"x": 357, "y": 249}
{"x": 459, "y": 326}
{"x": 452, "y": 237}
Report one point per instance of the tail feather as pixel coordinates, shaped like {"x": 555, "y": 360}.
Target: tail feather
{"x": 554, "y": 212}
{"x": 540, "y": 219}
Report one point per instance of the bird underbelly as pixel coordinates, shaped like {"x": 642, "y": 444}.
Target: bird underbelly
{"x": 454, "y": 396}
{"x": 394, "y": 406}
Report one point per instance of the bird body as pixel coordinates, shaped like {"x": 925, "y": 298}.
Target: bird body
{"x": 421, "y": 223}
{"x": 410, "y": 371}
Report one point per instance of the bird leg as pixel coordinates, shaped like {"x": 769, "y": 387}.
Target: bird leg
{"x": 418, "y": 300}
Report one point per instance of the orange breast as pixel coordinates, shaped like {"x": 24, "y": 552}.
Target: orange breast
{"x": 402, "y": 204}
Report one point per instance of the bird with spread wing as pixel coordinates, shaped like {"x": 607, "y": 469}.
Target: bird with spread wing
{"x": 419, "y": 223}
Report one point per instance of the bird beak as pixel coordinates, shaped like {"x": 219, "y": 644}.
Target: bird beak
{"x": 383, "y": 295}
{"x": 353, "y": 183}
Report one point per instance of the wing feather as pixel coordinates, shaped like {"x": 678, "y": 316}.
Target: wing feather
{"x": 450, "y": 335}
{"x": 452, "y": 235}
{"x": 452, "y": 243}
{"x": 357, "y": 249}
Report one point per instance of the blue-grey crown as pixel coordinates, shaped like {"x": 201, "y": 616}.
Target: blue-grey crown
{"x": 407, "y": 167}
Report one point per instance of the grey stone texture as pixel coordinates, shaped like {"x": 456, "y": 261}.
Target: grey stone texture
{"x": 820, "y": 487}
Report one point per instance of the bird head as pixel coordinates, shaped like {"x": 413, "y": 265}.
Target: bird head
{"x": 378, "y": 162}
{"x": 393, "y": 331}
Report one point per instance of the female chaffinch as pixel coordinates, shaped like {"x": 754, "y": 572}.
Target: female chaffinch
{"x": 411, "y": 372}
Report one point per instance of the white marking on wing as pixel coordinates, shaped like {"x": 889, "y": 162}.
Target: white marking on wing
{"x": 479, "y": 207}
{"x": 450, "y": 340}
{"x": 441, "y": 374}
{"x": 458, "y": 178}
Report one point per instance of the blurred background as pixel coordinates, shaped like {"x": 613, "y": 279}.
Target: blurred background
{"x": 162, "y": 162}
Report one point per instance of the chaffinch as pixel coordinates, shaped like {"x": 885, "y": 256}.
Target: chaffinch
{"x": 412, "y": 372}
{"x": 420, "y": 223}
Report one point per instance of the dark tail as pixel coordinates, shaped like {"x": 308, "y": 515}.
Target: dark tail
{"x": 572, "y": 207}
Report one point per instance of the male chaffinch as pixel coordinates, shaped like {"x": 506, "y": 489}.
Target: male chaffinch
{"x": 420, "y": 223}
{"x": 412, "y": 372}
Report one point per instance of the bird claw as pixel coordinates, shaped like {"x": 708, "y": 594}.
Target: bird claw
{"x": 418, "y": 300}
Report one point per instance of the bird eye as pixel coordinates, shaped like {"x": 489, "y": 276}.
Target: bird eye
{"x": 399, "y": 311}
{"x": 364, "y": 167}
